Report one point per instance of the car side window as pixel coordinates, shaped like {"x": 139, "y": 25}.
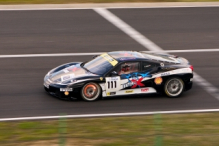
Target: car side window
{"x": 147, "y": 66}
{"x": 127, "y": 68}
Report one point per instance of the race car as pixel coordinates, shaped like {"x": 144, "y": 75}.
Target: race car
{"x": 120, "y": 73}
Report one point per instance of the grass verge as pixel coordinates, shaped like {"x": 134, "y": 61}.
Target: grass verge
{"x": 90, "y": 1}
{"x": 169, "y": 130}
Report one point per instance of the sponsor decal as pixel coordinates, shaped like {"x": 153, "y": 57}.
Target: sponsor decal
{"x": 137, "y": 83}
{"x": 66, "y": 89}
{"x": 129, "y": 84}
{"x": 183, "y": 70}
{"x": 129, "y": 91}
{"x": 136, "y": 80}
{"x": 165, "y": 74}
{"x": 109, "y": 59}
{"x": 114, "y": 78}
{"x": 158, "y": 80}
{"x": 101, "y": 78}
{"x": 144, "y": 89}
{"x": 110, "y": 93}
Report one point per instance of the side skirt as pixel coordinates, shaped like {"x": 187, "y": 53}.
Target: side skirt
{"x": 145, "y": 90}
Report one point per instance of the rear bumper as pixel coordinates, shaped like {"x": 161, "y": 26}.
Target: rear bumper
{"x": 188, "y": 86}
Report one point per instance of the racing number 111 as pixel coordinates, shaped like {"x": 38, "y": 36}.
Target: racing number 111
{"x": 111, "y": 84}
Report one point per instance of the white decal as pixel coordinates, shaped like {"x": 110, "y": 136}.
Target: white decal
{"x": 66, "y": 89}
{"x": 112, "y": 84}
{"x": 65, "y": 70}
{"x": 67, "y": 77}
{"x": 114, "y": 78}
{"x": 146, "y": 90}
{"x": 165, "y": 74}
{"x": 172, "y": 72}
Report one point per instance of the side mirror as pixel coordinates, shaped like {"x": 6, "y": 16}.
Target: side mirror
{"x": 114, "y": 73}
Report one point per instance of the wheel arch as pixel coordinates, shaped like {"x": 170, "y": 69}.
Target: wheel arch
{"x": 185, "y": 78}
{"x": 92, "y": 82}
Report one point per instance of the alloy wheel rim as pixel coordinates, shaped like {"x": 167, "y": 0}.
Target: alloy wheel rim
{"x": 174, "y": 87}
{"x": 90, "y": 91}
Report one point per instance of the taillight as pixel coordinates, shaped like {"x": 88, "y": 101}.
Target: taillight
{"x": 191, "y": 67}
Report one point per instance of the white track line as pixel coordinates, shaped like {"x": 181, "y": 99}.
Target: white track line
{"x": 109, "y": 115}
{"x": 189, "y": 51}
{"x": 98, "y": 53}
{"x": 148, "y": 44}
{"x": 31, "y": 7}
{"x": 127, "y": 29}
{"x": 49, "y": 55}
{"x": 213, "y": 91}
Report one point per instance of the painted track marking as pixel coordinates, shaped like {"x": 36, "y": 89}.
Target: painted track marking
{"x": 109, "y": 115}
{"x": 141, "y": 39}
{"x": 148, "y": 44}
{"x": 49, "y": 55}
{"x": 40, "y": 7}
{"x": 98, "y": 53}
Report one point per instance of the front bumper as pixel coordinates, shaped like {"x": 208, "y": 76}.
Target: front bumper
{"x": 58, "y": 90}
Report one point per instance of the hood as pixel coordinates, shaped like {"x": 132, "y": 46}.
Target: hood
{"x": 69, "y": 74}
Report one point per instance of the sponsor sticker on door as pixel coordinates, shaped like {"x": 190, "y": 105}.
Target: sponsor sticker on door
{"x": 110, "y": 93}
{"x": 144, "y": 89}
{"x": 129, "y": 91}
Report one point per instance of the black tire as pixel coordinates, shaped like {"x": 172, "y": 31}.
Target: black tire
{"x": 90, "y": 92}
{"x": 174, "y": 87}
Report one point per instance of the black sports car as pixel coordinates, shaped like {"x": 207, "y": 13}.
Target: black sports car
{"x": 120, "y": 73}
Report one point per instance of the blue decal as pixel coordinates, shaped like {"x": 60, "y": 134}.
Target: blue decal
{"x": 136, "y": 81}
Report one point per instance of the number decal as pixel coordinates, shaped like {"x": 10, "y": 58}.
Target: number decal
{"x": 112, "y": 84}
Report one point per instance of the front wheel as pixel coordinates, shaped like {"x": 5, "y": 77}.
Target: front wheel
{"x": 90, "y": 92}
{"x": 174, "y": 87}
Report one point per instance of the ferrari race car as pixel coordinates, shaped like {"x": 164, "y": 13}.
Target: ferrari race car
{"x": 120, "y": 73}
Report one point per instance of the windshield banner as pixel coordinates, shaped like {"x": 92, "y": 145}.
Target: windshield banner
{"x": 110, "y": 59}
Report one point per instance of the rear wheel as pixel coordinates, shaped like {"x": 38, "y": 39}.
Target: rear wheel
{"x": 174, "y": 87}
{"x": 90, "y": 92}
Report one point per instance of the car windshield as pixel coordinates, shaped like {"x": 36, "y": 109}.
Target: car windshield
{"x": 101, "y": 64}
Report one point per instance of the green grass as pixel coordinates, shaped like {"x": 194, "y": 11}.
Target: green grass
{"x": 89, "y": 1}
{"x": 175, "y": 129}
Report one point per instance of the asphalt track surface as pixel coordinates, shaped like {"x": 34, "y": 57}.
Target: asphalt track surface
{"x": 74, "y": 31}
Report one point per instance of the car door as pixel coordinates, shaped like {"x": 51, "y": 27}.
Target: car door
{"x": 150, "y": 67}
{"x": 122, "y": 76}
